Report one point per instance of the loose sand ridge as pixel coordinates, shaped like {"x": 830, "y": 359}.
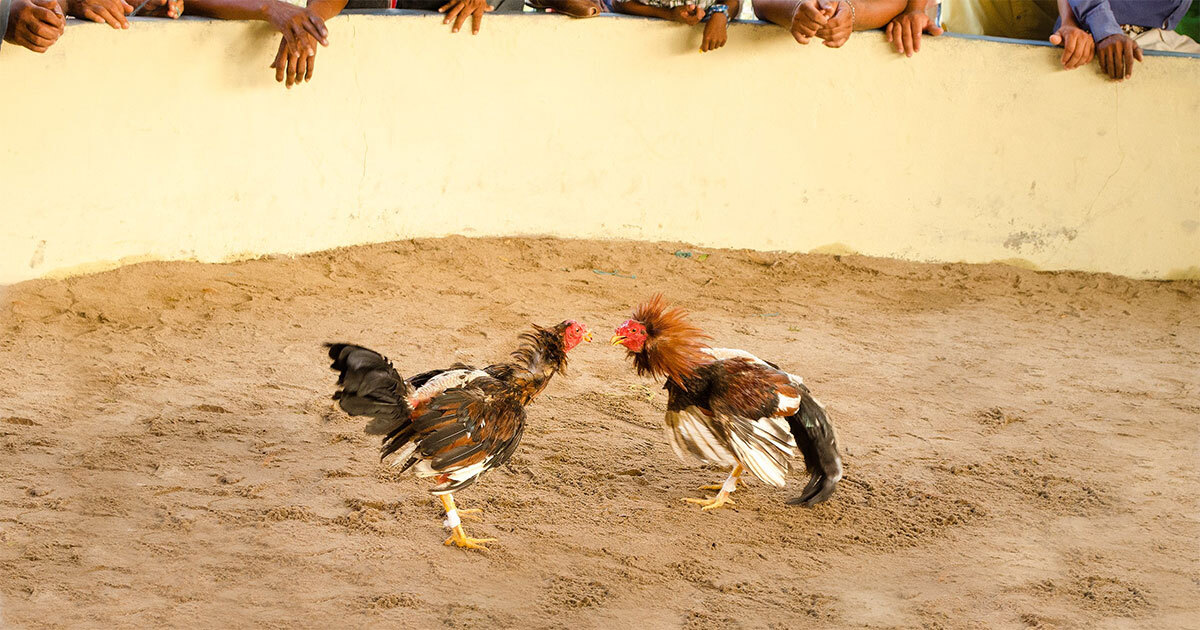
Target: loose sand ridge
{"x": 1021, "y": 447}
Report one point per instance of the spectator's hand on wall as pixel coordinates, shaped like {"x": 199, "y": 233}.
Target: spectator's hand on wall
{"x": 1116, "y": 54}
{"x": 459, "y": 10}
{"x": 840, "y": 25}
{"x": 112, "y": 12}
{"x": 295, "y": 22}
{"x": 716, "y": 32}
{"x": 1077, "y": 45}
{"x": 689, "y": 14}
{"x": 904, "y": 31}
{"x": 35, "y": 24}
{"x": 296, "y": 59}
{"x": 163, "y": 8}
{"x": 808, "y": 19}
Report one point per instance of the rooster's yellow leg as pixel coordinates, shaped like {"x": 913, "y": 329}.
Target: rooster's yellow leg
{"x": 457, "y": 535}
{"x": 722, "y": 497}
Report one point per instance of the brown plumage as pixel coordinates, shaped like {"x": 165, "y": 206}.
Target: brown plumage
{"x": 453, "y": 424}
{"x": 674, "y": 347}
{"x": 729, "y": 407}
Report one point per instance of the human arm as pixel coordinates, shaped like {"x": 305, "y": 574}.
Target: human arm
{"x": 290, "y": 20}
{"x": 34, "y": 24}
{"x": 459, "y": 10}
{"x": 1078, "y": 45}
{"x": 716, "y": 28}
{"x": 689, "y": 14}
{"x": 1115, "y": 50}
{"x": 904, "y": 31}
{"x": 803, "y": 19}
{"x": 1095, "y": 16}
{"x": 856, "y": 15}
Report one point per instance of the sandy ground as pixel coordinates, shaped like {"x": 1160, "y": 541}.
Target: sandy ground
{"x": 1021, "y": 447}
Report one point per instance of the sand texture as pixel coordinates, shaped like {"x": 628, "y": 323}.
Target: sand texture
{"x": 1021, "y": 448}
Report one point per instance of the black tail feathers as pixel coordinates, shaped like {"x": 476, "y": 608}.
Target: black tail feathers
{"x": 818, "y": 443}
{"x": 369, "y": 386}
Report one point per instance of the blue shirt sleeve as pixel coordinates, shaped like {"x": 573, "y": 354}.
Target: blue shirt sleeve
{"x": 1096, "y": 16}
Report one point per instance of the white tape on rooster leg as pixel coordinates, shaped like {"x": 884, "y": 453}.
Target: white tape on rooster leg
{"x": 452, "y": 520}
{"x": 730, "y": 484}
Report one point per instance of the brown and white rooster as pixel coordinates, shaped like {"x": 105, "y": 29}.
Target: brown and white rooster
{"x": 453, "y": 424}
{"x": 731, "y": 408}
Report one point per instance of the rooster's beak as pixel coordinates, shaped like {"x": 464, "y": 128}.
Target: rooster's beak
{"x": 587, "y": 336}
{"x": 616, "y": 340}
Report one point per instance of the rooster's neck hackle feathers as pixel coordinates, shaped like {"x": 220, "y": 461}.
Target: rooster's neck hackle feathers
{"x": 540, "y": 356}
{"x": 674, "y": 347}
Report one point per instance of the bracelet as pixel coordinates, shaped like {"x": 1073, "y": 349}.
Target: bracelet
{"x": 715, "y": 9}
{"x": 853, "y": 15}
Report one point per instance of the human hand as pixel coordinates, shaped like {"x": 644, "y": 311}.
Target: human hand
{"x": 904, "y": 31}
{"x": 840, "y": 25}
{"x": 689, "y": 14}
{"x": 295, "y": 60}
{"x": 1116, "y": 54}
{"x": 111, "y": 11}
{"x": 459, "y": 10}
{"x": 35, "y": 24}
{"x": 808, "y": 19}
{"x": 163, "y": 8}
{"x": 1077, "y": 44}
{"x": 293, "y": 22}
{"x": 716, "y": 32}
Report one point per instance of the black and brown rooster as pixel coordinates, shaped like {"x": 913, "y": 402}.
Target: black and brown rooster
{"x": 730, "y": 408}
{"x": 453, "y": 424}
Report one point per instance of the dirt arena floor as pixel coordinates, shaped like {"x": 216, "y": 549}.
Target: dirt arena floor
{"x": 1020, "y": 447}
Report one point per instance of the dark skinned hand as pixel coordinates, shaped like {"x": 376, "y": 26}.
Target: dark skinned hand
{"x": 162, "y": 8}
{"x": 296, "y": 59}
{"x": 293, "y": 22}
{"x": 1077, "y": 44}
{"x": 1116, "y": 54}
{"x": 459, "y": 10}
{"x": 689, "y": 14}
{"x": 840, "y": 26}
{"x": 808, "y": 19}
{"x": 716, "y": 32}
{"x": 35, "y": 24}
{"x": 112, "y": 12}
{"x": 904, "y": 31}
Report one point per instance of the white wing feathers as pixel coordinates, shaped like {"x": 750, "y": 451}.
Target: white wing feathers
{"x": 442, "y": 382}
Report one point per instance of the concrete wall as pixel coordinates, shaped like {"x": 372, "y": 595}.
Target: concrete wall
{"x": 172, "y": 141}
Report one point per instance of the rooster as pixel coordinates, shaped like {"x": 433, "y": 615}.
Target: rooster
{"x": 731, "y": 408}
{"x": 453, "y": 424}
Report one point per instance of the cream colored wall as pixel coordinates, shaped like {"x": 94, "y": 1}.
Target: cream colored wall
{"x": 172, "y": 141}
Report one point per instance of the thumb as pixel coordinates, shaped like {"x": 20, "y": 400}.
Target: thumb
{"x": 1137, "y": 52}
{"x": 1056, "y": 39}
{"x": 934, "y": 29}
{"x": 830, "y": 9}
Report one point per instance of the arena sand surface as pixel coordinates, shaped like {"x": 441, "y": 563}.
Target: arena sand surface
{"x": 1020, "y": 447}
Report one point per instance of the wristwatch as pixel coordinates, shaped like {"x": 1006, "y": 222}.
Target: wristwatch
{"x": 715, "y": 9}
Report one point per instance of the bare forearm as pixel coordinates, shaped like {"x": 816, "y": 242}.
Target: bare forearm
{"x": 327, "y": 8}
{"x": 644, "y": 10}
{"x": 775, "y": 11}
{"x": 869, "y": 14}
{"x": 229, "y": 9}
